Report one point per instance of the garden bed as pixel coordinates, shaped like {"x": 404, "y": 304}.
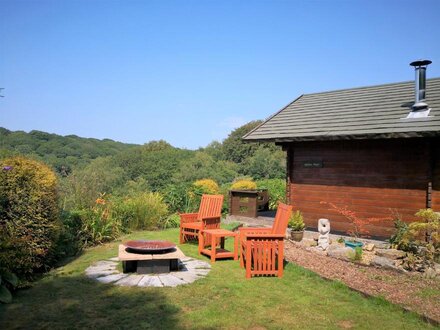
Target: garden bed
{"x": 410, "y": 290}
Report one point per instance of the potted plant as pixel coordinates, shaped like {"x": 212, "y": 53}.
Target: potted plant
{"x": 296, "y": 225}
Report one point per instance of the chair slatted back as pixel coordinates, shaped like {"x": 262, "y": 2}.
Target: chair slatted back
{"x": 281, "y": 219}
{"x": 210, "y": 206}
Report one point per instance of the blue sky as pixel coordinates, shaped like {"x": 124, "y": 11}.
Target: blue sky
{"x": 189, "y": 72}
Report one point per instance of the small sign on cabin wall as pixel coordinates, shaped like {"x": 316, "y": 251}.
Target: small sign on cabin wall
{"x": 313, "y": 164}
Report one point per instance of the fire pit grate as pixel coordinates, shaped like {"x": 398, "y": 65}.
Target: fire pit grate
{"x": 149, "y": 246}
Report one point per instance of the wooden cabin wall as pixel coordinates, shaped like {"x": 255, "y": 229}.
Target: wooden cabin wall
{"x": 374, "y": 178}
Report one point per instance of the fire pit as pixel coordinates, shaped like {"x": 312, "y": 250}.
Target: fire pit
{"x": 150, "y": 247}
{"x": 145, "y": 257}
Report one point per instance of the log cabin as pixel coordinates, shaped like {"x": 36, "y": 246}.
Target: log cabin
{"x": 374, "y": 150}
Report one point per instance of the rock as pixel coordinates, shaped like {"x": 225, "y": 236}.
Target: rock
{"x": 383, "y": 262}
{"x": 369, "y": 247}
{"x": 382, "y": 245}
{"x": 437, "y": 268}
{"x": 339, "y": 252}
{"x": 317, "y": 249}
{"x": 430, "y": 273}
{"x": 392, "y": 254}
{"x": 308, "y": 242}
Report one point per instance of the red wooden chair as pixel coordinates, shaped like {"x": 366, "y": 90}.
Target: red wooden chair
{"x": 208, "y": 217}
{"x": 262, "y": 249}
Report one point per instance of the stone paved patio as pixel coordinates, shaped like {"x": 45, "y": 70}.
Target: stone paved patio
{"x": 190, "y": 270}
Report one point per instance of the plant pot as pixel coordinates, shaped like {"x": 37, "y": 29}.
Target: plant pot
{"x": 353, "y": 244}
{"x": 297, "y": 236}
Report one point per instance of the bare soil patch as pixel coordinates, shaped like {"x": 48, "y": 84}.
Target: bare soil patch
{"x": 411, "y": 291}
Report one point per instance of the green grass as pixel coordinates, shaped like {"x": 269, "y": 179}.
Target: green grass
{"x": 65, "y": 298}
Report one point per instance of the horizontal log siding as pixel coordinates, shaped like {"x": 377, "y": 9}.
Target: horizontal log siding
{"x": 373, "y": 178}
{"x": 435, "y": 147}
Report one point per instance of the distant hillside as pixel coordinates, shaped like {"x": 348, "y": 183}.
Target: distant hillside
{"x": 62, "y": 152}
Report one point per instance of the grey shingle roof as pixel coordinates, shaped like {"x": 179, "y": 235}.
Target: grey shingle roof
{"x": 357, "y": 113}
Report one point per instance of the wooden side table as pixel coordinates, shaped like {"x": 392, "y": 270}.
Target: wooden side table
{"x": 218, "y": 252}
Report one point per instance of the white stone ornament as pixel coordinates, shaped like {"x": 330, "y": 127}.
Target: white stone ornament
{"x": 324, "y": 233}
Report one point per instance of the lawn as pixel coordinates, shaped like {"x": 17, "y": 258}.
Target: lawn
{"x": 65, "y": 298}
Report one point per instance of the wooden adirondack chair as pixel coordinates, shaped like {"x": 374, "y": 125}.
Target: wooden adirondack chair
{"x": 262, "y": 249}
{"x": 208, "y": 217}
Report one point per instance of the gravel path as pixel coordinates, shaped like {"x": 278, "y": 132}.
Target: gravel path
{"x": 411, "y": 291}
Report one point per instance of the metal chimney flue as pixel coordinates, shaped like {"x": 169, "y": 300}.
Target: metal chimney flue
{"x": 420, "y": 84}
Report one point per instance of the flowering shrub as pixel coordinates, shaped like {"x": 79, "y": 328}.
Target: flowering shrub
{"x": 98, "y": 225}
{"x": 244, "y": 184}
{"x": 207, "y": 186}
{"x": 29, "y": 224}
{"x": 359, "y": 225}
{"x": 276, "y": 189}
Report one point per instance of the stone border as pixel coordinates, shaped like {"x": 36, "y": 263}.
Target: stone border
{"x": 190, "y": 270}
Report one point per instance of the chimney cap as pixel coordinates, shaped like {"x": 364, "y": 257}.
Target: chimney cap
{"x": 420, "y": 63}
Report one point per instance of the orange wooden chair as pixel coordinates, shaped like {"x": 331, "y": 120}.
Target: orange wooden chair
{"x": 208, "y": 217}
{"x": 262, "y": 249}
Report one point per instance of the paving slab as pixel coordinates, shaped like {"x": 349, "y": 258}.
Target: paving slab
{"x": 105, "y": 263}
{"x": 186, "y": 277}
{"x": 100, "y": 273}
{"x": 170, "y": 280}
{"x": 190, "y": 270}
{"x": 130, "y": 280}
{"x": 150, "y": 280}
{"x": 111, "y": 278}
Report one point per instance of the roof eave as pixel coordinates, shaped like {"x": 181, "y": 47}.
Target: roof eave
{"x": 395, "y": 135}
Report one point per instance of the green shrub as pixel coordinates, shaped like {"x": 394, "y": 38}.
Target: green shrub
{"x": 426, "y": 233}
{"x": 207, "y": 186}
{"x": 400, "y": 240}
{"x": 178, "y": 199}
{"x": 244, "y": 184}
{"x": 296, "y": 221}
{"x": 357, "y": 254}
{"x": 70, "y": 241}
{"x": 29, "y": 224}
{"x": 142, "y": 211}
{"x": 172, "y": 221}
{"x": 276, "y": 189}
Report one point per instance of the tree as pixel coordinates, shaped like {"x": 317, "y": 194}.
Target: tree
{"x": 234, "y": 148}
{"x": 265, "y": 164}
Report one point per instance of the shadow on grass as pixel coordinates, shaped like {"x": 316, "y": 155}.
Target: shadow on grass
{"x": 78, "y": 302}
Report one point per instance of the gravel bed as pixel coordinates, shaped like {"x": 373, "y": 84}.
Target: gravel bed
{"x": 410, "y": 290}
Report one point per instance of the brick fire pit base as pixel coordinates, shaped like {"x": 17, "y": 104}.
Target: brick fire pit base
{"x": 189, "y": 271}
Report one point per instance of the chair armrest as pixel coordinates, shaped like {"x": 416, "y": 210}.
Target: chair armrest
{"x": 188, "y": 217}
{"x": 264, "y": 236}
{"x": 211, "y": 218}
